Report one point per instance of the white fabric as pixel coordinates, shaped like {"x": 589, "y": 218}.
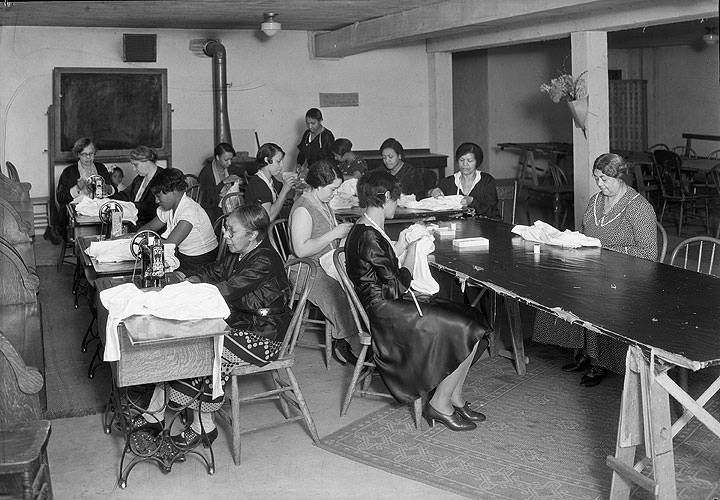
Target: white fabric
{"x": 422, "y": 281}
{"x": 182, "y": 301}
{"x": 452, "y": 202}
{"x": 119, "y": 251}
{"x": 201, "y": 238}
{"x": 328, "y": 264}
{"x": 90, "y": 207}
{"x": 542, "y": 232}
{"x": 346, "y": 195}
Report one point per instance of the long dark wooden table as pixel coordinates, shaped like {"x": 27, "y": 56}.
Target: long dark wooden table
{"x": 401, "y": 214}
{"x": 666, "y": 315}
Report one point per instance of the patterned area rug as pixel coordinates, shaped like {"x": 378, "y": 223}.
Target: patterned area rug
{"x": 546, "y": 437}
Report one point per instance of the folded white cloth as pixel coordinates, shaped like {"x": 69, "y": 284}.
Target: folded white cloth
{"x": 181, "y": 301}
{"x": 452, "y": 202}
{"x": 542, "y": 232}
{"x": 346, "y": 195}
{"x": 91, "y": 208}
{"x": 328, "y": 265}
{"x": 119, "y": 251}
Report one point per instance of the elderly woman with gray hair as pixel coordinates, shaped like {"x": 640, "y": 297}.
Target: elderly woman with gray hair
{"x": 624, "y": 222}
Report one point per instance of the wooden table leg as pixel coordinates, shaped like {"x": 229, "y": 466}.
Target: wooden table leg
{"x": 644, "y": 419}
{"x": 512, "y": 308}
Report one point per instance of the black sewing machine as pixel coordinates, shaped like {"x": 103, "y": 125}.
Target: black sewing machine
{"x": 147, "y": 247}
{"x": 111, "y": 214}
{"x": 96, "y": 186}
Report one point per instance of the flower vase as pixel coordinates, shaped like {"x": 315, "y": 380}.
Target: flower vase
{"x": 578, "y": 111}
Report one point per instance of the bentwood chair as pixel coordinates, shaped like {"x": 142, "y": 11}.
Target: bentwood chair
{"x": 280, "y": 238}
{"x": 193, "y": 192}
{"x": 24, "y": 466}
{"x": 699, "y": 253}
{"x": 662, "y": 242}
{"x": 676, "y": 188}
{"x": 231, "y": 201}
{"x": 507, "y": 199}
{"x": 684, "y": 151}
{"x": 365, "y": 368}
{"x": 218, "y": 230}
{"x": 286, "y": 390}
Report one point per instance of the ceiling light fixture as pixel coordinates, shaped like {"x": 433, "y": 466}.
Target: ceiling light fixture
{"x": 711, "y": 36}
{"x": 270, "y": 27}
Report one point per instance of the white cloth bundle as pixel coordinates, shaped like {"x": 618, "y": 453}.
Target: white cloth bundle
{"x": 346, "y": 195}
{"x": 91, "y": 208}
{"x": 119, "y": 251}
{"x": 182, "y": 301}
{"x": 452, "y": 202}
{"x": 423, "y": 281}
{"x": 542, "y": 232}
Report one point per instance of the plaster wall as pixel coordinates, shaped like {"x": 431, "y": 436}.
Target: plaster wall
{"x": 272, "y": 83}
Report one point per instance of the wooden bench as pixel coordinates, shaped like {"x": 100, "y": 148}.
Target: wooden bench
{"x": 17, "y": 232}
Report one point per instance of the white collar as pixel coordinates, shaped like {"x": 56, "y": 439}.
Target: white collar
{"x": 457, "y": 175}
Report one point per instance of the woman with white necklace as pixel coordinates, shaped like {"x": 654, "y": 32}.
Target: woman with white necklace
{"x": 624, "y": 222}
{"x": 478, "y": 188}
{"x": 264, "y": 188}
{"x": 314, "y": 232}
{"x": 415, "y": 353}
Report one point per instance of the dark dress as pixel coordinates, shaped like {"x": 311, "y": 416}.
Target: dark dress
{"x": 259, "y": 192}
{"x": 68, "y": 179}
{"x": 256, "y": 290}
{"x": 147, "y": 207}
{"x": 484, "y": 193}
{"x": 412, "y": 181}
{"x": 316, "y": 149}
{"x": 210, "y": 191}
{"x": 413, "y": 354}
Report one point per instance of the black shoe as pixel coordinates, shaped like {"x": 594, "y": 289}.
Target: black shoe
{"x": 594, "y": 376}
{"x": 138, "y": 423}
{"x": 342, "y": 352}
{"x": 454, "y": 421}
{"x": 581, "y": 363}
{"x": 469, "y": 414}
{"x": 190, "y": 439}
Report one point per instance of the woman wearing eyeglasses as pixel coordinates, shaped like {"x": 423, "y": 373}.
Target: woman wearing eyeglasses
{"x": 73, "y": 180}
{"x": 143, "y": 159}
{"x": 252, "y": 280}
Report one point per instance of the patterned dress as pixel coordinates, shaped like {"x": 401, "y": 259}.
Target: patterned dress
{"x": 629, "y": 228}
{"x": 255, "y": 288}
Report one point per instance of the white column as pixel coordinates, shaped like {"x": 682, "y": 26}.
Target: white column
{"x": 589, "y": 55}
{"x": 441, "y": 105}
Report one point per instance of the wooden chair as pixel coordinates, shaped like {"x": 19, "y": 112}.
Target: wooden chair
{"x": 697, "y": 254}
{"x": 24, "y": 467}
{"x": 364, "y": 369}
{"x": 68, "y": 243}
{"x": 659, "y": 145}
{"x": 507, "y": 200}
{"x": 684, "y": 151}
{"x": 231, "y": 201}
{"x": 646, "y": 186}
{"x": 193, "y": 192}
{"x": 279, "y": 234}
{"x": 305, "y": 269}
{"x": 662, "y": 241}
{"x": 218, "y": 230}
{"x": 676, "y": 187}
{"x": 12, "y": 171}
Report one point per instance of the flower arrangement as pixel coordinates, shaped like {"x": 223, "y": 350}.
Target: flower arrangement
{"x": 565, "y": 87}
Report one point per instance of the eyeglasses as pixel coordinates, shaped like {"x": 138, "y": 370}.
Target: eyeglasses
{"x": 229, "y": 231}
{"x": 87, "y": 155}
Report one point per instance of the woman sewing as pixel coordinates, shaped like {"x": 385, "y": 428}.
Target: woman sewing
{"x": 350, "y": 163}
{"x": 410, "y": 178}
{"x": 477, "y": 188}
{"x": 314, "y": 232}
{"x": 264, "y": 188}
{"x": 253, "y": 282}
{"x": 143, "y": 159}
{"x": 419, "y": 347}
{"x": 624, "y": 222}
{"x": 213, "y": 177}
{"x": 184, "y": 222}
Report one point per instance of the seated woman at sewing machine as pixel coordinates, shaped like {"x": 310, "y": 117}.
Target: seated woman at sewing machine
{"x": 73, "y": 180}
{"x": 143, "y": 159}
{"x": 478, "y": 188}
{"x": 420, "y": 347}
{"x": 253, "y": 282}
{"x": 184, "y": 221}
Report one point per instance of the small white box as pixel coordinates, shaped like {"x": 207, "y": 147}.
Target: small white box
{"x": 478, "y": 242}
{"x": 445, "y": 231}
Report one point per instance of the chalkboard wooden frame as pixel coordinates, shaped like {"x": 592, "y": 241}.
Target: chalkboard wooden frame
{"x": 135, "y": 100}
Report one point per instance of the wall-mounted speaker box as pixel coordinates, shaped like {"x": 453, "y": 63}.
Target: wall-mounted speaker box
{"x": 139, "y": 48}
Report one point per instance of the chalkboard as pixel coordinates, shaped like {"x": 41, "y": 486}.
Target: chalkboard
{"x": 118, "y": 108}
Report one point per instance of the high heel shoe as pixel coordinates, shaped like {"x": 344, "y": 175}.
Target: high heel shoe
{"x": 581, "y": 363}
{"x": 469, "y": 414}
{"x": 342, "y": 352}
{"x": 190, "y": 439}
{"x": 454, "y": 422}
{"x": 594, "y": 376}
